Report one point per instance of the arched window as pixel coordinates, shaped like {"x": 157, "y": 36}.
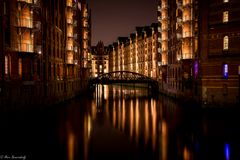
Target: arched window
{"x": 225, "y": 43}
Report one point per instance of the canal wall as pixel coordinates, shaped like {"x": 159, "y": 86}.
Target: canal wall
{"x": 193, "y": 95}
{"x": 31, "y": 95}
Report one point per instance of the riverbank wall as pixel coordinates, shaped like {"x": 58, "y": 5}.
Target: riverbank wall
{"x": 26, "y": 95}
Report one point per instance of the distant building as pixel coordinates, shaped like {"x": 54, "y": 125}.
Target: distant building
{"x": 136, "y": 53}
{"x": 197, "y": 44}
{"x": 100, "y": 59}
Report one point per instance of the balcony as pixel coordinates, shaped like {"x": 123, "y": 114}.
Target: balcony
{"x": 164, "y": 5}
{"x": 70, "y": 58}
{"x": 24, "y": 22}
{"x": 165, "y": 39}
{"x": 186, "y": 19}
{"x": 179, "y": 4}
{"x": 179, "y": 36}
{"x": 179, "y": 20}
{"x": 69, "y": 21}
{"x": 70, "y": 61}
{"x": 25, "y": 1}
{"x": 23, "y": 47}
{"x": 85, "y": 15}
{"x": 70, "y": 35}
{"x": 165, "y": 29}
{"x": 187, "y": 5}
{"x": 69, "y": 3}
{"x": 187, "y": 34}
{"x": 187, "y": 55}
{"x": 165, "y": 21}
{"x": 69, "y": 47}
{"x": 36, "y": 4}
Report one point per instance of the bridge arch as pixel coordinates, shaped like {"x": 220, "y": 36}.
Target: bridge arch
{"x": 124, "y": 77}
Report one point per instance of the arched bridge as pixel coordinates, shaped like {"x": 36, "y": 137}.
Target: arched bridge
{"x": 123, "y": 77}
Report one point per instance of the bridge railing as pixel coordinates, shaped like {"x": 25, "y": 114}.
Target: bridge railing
{"x": 124, "y": 77}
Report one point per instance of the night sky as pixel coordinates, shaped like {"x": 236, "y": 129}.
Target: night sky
{"x": 114, "y": 18}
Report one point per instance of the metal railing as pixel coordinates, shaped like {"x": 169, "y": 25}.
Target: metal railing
{"x": 187, "y": 34}
{"x": 24, "y": 22}
{"x": 69, "y": 61}
{"x": 24, "y": 47}
{"x": 69, "y": 3}
{"x": 27, "y": 1}
{"x": 69, "y": 20}
{"x": 69, "y": 47}
{"x": 70, "y": 34}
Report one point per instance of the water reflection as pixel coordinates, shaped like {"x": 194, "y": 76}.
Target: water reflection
{"x": 136, "y": 117}
{"x": 158, "y": 125}
{"x": 122, "y": 122}
{"x": 164, "y": 140}
{"x": 71, "y": 143}
{"x": 87, "y": 134}
{"x": 227, "y": 151}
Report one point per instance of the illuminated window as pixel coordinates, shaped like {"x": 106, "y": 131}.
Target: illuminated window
{"x": 20, "y": 67}
{"x": 225, "y": 1}
{"x": 79, "y": 6}
{"x": 225, "y": 71}
{"x": 238, "y": 69}
{"x": 6, "y": 65}
{"x": 4, "y": 8}
{"x": 196, "y": 67}
{"x": 225, "y": 43}
{"x": 225, "y": 16}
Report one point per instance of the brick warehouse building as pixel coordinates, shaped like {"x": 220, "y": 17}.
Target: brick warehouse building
{"x": 42, "y": 50}
{"x": 100, "y": 59}
{"x": 219, "y": 51}
{"x": 136, "y": 53}
{"x": 198, "y": 46}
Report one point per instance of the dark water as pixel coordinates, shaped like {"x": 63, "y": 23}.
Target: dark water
{"x": 121, "y": 124}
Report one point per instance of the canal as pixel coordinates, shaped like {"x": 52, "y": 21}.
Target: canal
{"x": 121, "y": 122}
